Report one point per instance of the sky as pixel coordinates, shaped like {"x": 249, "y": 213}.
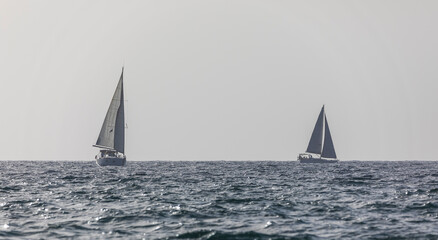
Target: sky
{"x": 219, "y": 80}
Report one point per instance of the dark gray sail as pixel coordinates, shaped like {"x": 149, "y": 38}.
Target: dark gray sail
{"x": 328, "y": 150}
{"x": 112, "y": 134}
{"x": 315, "y": 143}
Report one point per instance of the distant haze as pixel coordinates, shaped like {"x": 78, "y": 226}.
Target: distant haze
{"x": 220, "y": 80}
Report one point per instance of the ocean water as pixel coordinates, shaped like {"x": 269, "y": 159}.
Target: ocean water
{"x": 219, "y": 200}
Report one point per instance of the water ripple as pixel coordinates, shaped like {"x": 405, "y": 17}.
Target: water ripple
{"x": 219, "y": 200}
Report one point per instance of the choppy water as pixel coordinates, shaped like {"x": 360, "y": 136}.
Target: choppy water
{"x": 219, "y": 200}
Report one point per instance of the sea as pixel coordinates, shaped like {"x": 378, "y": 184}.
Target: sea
{"x": 219, "y": 200}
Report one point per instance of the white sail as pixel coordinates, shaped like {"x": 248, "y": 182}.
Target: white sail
{"x": 328, "y": 150}
{"x": 112, "y": 134}
{"x": 315, "y": 143}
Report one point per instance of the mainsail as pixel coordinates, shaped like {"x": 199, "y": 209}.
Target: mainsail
{"x": 315, "y": 143}
{"x": 112, "y": 134}
{"x": 328, "y": 150}
{"x": 321, "y": 141}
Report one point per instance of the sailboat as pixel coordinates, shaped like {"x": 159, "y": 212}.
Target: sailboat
{"x": 111, "y": 140}
{"x": 320, "y": 149}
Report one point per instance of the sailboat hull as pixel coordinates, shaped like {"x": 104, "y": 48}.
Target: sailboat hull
{"x": 317, "y": 160}
{"x": 113, "y": 161}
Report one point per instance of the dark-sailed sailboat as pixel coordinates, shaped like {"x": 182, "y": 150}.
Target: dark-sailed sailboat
{"x": 111, "y": 140}
{"x": 320, "y": 149}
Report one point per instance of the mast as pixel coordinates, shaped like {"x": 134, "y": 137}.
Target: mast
{"x": 112, "y": 134}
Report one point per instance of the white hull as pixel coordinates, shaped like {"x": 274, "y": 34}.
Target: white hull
{"x": 111, "y": 161}
{"x": 317, "y": 160}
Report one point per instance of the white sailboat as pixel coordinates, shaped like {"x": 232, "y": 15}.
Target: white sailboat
{"x": 111, "y": 140}
{"x": 320, "y": 149}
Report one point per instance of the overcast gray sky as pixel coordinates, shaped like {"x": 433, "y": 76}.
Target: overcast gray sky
{"x": 220, "y": 80}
